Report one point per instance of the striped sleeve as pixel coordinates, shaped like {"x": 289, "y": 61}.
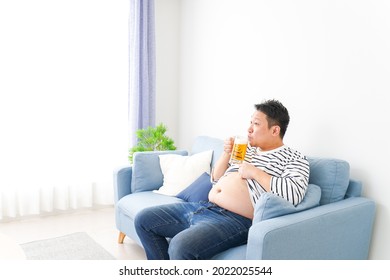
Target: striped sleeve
{"x": 293, "y": 181}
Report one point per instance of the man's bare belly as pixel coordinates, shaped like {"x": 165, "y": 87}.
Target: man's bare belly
{"x": 231, "y": 192}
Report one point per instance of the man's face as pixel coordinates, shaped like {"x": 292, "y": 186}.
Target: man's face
{"x": 259, "y": 135}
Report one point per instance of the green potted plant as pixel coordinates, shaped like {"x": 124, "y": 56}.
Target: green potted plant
{"x": 152, "y": 139}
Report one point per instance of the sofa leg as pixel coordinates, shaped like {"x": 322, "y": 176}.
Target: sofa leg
{"x": 121, "y": 237}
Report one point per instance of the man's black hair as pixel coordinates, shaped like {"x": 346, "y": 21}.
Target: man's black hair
{"x": 276, "y": 114}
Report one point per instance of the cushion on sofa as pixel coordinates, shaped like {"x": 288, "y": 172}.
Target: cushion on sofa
{"x": 271, "y": 205}
{"x": 180, "y": 171}
{"x": 144, "y": 180}
{"x": 131, "y": 204}
{"x": 198, "y": 190}
{"x": 332, "y": 176}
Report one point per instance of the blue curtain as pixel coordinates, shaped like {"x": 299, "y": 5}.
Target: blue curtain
{"x": 142, "y": 83}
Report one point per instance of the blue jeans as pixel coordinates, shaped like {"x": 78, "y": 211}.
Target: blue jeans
{"x": 196, "y": 230}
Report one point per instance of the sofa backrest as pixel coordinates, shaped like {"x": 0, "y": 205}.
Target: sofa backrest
{"x": 205, "y": 143}
{"x": 332, "y": 176}
{"x": 354, "y": 188}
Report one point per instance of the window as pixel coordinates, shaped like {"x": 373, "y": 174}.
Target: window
{"x": 63, "y": 103}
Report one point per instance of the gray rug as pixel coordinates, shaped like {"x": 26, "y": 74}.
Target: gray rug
{"x": 75, "y": 246}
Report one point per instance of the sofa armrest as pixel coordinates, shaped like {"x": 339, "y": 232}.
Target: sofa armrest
{"x": 340, "y": 230}
{"x": 122, "y": 182}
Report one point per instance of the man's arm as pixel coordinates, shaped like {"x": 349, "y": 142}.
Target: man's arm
{"x": 223, "y": 162}
{"x": 249, "y": 171}
{"x": 291, "y": 186}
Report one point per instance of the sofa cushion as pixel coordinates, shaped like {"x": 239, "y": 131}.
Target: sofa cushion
{"x": 271, "y": 205}
{"x": 143, "y": 162}
{"x": 180, "y": 171}
{"x": 198, "y": 190}
{"x": 131, "y": 204}
{"x": 332, "y": 176}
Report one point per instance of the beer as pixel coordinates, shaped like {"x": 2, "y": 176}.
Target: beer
{"x": 239, "y": 150}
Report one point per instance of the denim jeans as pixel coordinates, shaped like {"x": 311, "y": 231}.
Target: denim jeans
{"x": 196, "y": 230}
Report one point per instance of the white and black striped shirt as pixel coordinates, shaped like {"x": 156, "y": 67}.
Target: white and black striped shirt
{"x": 289, "y": 170}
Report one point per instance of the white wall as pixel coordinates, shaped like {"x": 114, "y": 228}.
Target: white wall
{"x": 327, "y": 61}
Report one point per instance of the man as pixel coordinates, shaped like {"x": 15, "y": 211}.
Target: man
{"x": 202, "y": 230}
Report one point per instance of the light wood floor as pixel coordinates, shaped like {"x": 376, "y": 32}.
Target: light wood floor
{"x": 98, "y": 223}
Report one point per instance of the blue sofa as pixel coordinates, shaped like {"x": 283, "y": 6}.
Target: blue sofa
{"x": 333, "y": 222}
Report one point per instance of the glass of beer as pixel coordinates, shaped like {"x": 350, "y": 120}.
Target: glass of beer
{"x": 239, "y": 150}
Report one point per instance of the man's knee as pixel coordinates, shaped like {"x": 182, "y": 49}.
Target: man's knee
{"x": 142, "y": 217}
{"x": 178, "y": 251}
{"x": 182, "y": 248}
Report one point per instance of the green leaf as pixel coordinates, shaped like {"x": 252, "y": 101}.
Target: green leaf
{"x": 152, "y": 139}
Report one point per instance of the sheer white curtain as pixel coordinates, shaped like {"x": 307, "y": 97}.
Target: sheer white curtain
{"x": 63, "y": 103}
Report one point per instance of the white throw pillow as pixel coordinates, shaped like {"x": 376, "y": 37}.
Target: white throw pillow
{"x": 180, "y": 171}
